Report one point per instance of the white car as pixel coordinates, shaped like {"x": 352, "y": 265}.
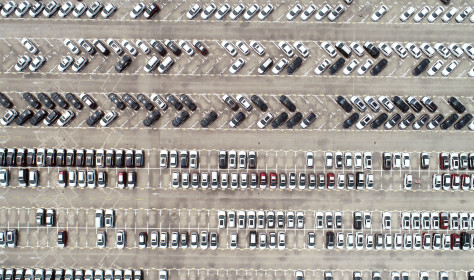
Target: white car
{"x": 265, "y": 12}
{"x": 399, "y": 49}
{"x": 323, "y": 12}
{"x": 442, "y": 50}
{"x": 208, "y": 11}
{"x": 37, "y": 63}
{"x": 22, "y": 8}
{"x": 435, "y": 68}
{"x": 94, "y": 9}
{"x": 238, "y": 64}
{"x": 463, "y": 14}
{"x": 322, "y": 67}
{"x": 468, "y": 49}
{"x": 29, "y": 46}
{"x": 9, "y": 116}
{"x": 414, "y": 50}
{"x": 365, "y": 67}
{"x": 65, "y": 63}
{"x": 251, "y": 12}
{"x": 79, "y": 10}
{"x": 336, "y": 12}
{"x": 427, "y": 49}
{"x": 243, "y": 47}
{"x": 280, "y": 66}
{"x": 301, "y": 48}
{"x": 407, "y": 14}
{"x": 229, "y": 48}
{"x": 385, "y": 49}
{"x": 285, "y": 47}
{"x": 193, "y": 11}
{"x": 222, "y": 12}
{"x": 407, "y": 181}
{"x": 22, "y": 63}
{"x": 257, "y": 48}
{"x": 115, "y": 47}
{"x": 108, "y": 119}
{"x": 455, "y": 50}
{"x": 294, "y": 12}
{"x": 108, "y": 10}
{"x": 329, "y": 48}
{"x": 449, "y": 14}
{"x": 137, "y": 10}
{"x": 450, "y": 68}
{"x": 237, "y": 11}
{"x": 308, "y": 12}
{"x": 364, "y": 121}
{"x": 131, "y": 49}
{"x": 66, "y": 9}
{"x": 379, "y": 13}
{"x": 8, "y": 9}
{"x": 265, "y": 120}
{"x": 36, "y": 9}
{"x": 80, "y": 64}
{"x": 350, "y": 67}
{"x": 186, "y": 48}
{"x": 435, "y": 14}
{"x": 73, "y": 48}
{"x": 357, "y": 48}
{"x": 141, "y": 44}
{"x": 66, "y": 118}
{"x": 421, "y": 14}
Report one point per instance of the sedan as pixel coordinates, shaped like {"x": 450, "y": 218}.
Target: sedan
{"x": 266, "y": 11}
{"x": 450, "y": 68}
{"x": 193, "y": 11}
{"x": 421, "y": 14}
{"x": 414, "y": 50}
{"x": 301, "y": 48}
{"x": 365, "y": 67}
{"x": 427, "y": 49}
{"x": 329, "y": 49}
{"x": 294, "y": 12}
{"x": 22, "y": 63}
{"x": 364, "y": 121}
{"x": 8, "y": 8}
{"x": 222, "y": 12}
{"x": 435, "y": 68}
{"x": 29, "y": 46}
{"x": 208, "y": 11}
{"x": 308, "y": 12}
{"x": 349, "y": 68}
{"x": 379, "y": 13}
{"x": 322, "y": 67}
{"x": 229, "y": 48}
{"x": 279, "y": 66}
{"x": 37, "y": 63}
{"x": 400, "y": 50}
{"x": 251, "y": 12}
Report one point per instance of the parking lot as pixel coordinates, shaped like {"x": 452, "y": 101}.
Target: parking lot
{"x": 159, "y": 203}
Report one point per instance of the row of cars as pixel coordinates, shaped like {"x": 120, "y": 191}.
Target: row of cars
{"x": 259, "y": 219}
{"x": 456, "y": 161}
{"x": 453, "y": 181}
{"x": 398, "y": 241}
{"x": 175, "y": 240}
{"x": 436, "y": 220}
{"x": 71, "y": 157}
{"x": 76, "y": 274}
{"x": 419, "y": 15}
{"x": 8, "y": 238}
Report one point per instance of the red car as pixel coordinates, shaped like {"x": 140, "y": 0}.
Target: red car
{"x": 62, "y": 238}
{"x": 465, "y": 182}
{"x": 455, "y": 181}
{"x": 263, "y": 180}
{"x": 455, "y": 241}
{"x": 121, "y": 179}
{"x": 331, "y": 180}
{"x": 200, "y": 47}
{"x": 273, "y": 180}
{"x": 443, "y": 220}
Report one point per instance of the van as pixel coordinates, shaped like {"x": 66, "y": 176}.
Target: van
{"x": 151, "y": 64}
{"x": 101, "y": 47}
{"x": 165, "y": 65}
{"x": 253, "y": 240}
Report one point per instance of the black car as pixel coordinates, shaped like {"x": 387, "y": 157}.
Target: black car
{"x": 344, "y": 104}
{"x": 52, "y": 117}
{"x": 350, "y": 121}
{"x": 449, "y": 121}
{"x": 230, "y": 102}
{"x": 130, "y": 101}
{"x": 371, "y": 49}
{"x": 209, "y": 119}
{"x": 336, "y": 66}
{"x": 294, "y": 65}
{"x": 400, "y": 104}
{"x": 31, "y": 100}
{"x": 94, "y": 118}
{"x": 173, "y": 101}
{"x": 119, "y": 158}
{"x": 87, "y": 99}
{"x": 116, "y": 100}
{"x": 74, "y": 101}
{"x": 188, "y": 102}
{"x": 179, "y": 120}
{"x": 287, "y": 103}
{"x": 294, "y": 120}
{"x": 330, "y": 240}
{"x": 151, "y": 10}
{"x": 23, "y": 117}
{"x": 392, "y": 122}
{"x": 279, "y": 120}
{"x": 223, "y": 160}
{"x": 379, "y": 121}
{"x": 45, "y": 100}
{"x": 379, "y": 67}
{"x": 420, "y": 68}
{"x": 429, "y": 104}
{"x": 457, "y": 105}
{"x": 5, "y": 101}
{"x": 414, "y": 104}
{"x": 308, "y": 120}
{"x": 38, "y": 117}
{"x": 259, "y": 103}
{"x": 357, "y": 222}
{"x": 60, "y": 100}
{"x": 463, "y": 121}
{"x": 158, "y": 47}
{"x": 123, "y": 63}
{"x": 145, "y": 102}
{"x": 435, "y": 122}
{"x": 172, "y": 46}
{"x": 151, "y": 118}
